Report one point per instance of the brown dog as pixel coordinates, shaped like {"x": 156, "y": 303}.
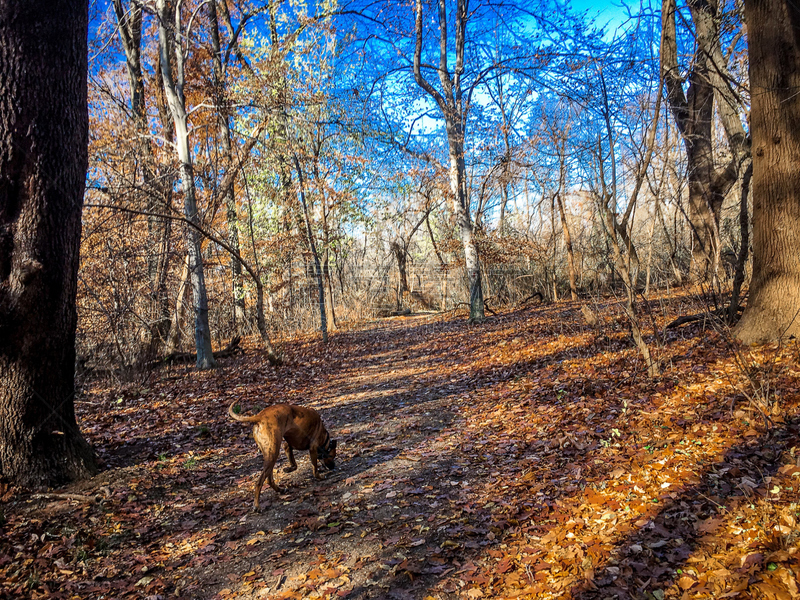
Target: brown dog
{"x": 302, "y": 429}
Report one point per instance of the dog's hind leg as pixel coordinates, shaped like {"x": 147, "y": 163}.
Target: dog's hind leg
{"x": 259, "y": 484}
{"x": 270, "y": 446}
{"x": 271, "y": 481}
{"x": 266, "y": 473}
{"x": 270, "y": 457}
{"x": 292, "y": 466}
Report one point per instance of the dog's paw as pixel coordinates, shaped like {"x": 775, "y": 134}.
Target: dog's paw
{"x": 289, "y": 469}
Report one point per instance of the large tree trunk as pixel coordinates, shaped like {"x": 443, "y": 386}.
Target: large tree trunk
{"x": 774, "y": 45}
{"x": 43, "y": 161}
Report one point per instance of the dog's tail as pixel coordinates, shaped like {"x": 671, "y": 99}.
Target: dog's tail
{"x": 241, "y": 418}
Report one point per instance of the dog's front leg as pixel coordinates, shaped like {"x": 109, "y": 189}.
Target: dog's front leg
{"x": 312, "y": 454}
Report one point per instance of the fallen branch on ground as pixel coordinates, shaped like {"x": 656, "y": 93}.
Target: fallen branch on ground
{"x": 188, "y": 357}
{"x": 720, "y": 314}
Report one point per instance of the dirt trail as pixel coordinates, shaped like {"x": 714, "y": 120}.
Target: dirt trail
{"x": 527, "y": 457}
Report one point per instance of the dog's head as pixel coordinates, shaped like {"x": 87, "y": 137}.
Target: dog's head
{"x": 327, "y": 452}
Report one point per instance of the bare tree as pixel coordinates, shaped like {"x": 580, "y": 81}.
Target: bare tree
{"x": 171, "y": 38}
{"x": 129, "y": 20}
{"x": 312, "y": 245}
{"x": 224, "y": 123}
{"x": 454, "y": 107}
{"x": 559, "y": 140}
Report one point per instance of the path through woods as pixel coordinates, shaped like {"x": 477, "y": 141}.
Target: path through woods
{"x": 529, "y": 457}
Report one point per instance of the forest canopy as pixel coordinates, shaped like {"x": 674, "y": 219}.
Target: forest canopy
{"x": 271, "y": 167}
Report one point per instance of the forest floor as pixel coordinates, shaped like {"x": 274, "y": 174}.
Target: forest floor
{"x": 527, "y": 457}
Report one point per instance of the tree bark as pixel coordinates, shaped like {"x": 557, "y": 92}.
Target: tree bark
{"x": 43, "y": 161}
{"x": 173, "y": 88}
{"x": 693, "y": 112}
{"x": 774, "y": 48}
{"x": 454, "y": 110}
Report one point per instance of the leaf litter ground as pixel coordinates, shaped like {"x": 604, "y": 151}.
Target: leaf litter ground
{"x": 528, "y": 457}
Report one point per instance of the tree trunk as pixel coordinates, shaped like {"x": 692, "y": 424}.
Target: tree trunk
{"x": 774, "y": 46}
{"x": 693, "y": 112}
{"x": 453, "y": 108}
{"x": 44, "y": 137}
{"x": 458, "y": 186}
{"x": 173, "y": 88}
{"x": 555, "y": 247}
{"x": 399, "y": 252}
{"x": 326, "y": 270}
{"x": 744, "y": 246}
{"x": 573, "y": 288}
{"x": 323, "y": 317}
{"x": 223, "y": 120}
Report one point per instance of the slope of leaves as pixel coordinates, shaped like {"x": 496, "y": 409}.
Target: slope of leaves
{"x": 528, "y": 457}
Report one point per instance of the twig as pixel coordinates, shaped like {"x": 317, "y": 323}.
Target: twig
{"x": 72, "y": 497}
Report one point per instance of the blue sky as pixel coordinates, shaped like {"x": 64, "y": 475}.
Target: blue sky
{"x": 608, "y": 12}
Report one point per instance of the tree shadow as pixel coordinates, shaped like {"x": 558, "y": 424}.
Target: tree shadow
{"x": 408, "y": 438}
{"x": 654, "y": 555}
